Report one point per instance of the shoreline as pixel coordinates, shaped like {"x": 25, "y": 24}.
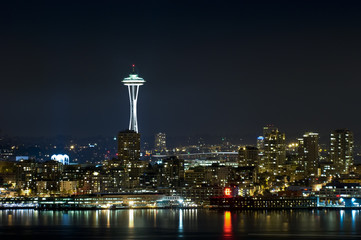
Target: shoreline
{"x": 178, "y": 208}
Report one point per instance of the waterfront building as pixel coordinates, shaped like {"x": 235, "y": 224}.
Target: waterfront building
{"x": 195, "y": 177}
{"x": 341, "y": 150}
{"x": 217, "y": 175}
{"x": 172, "y": 172}
{"x": 264, "y": 202}
{"x": 26, "y": 177}
{"x": 333, "y": 193}
{"x": 115, "y": 170}
{"x": 200, "y": 195}
{"x": 68, "y": 188}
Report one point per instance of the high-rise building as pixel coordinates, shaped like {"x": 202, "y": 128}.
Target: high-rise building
{"x": 269, "y": 129}
{"x": 129, "y": 155}
{"x": 274, "y": 148}
{"x": 133, "y": 82}
{"x": 160, "y": 142}
{"x": 261, "y": 158}
{"x": 248, "y": 156}
{"x": 128, "y": 146}
{"x": 308, "y": 152}
{"x": 260, "y": 143}
{"x": 341, "y": 150}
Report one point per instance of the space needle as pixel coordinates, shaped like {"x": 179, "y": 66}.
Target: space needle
{"x": 133, "y": 82}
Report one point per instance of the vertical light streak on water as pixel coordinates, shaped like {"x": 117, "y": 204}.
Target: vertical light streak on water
{"x": 227, "y": 225}
{"x": 180, "y": 223}
{"x": 155, "y": 217}
{"x": 108, "y": 218}
{"x": 96, "y": 220}
{"x": 131, "y": 218}
{"x": 342, "y": 215}
{"x": 10, "y": 218}
{"x": 353, "y": 213}
{"x": 65, "y": 219}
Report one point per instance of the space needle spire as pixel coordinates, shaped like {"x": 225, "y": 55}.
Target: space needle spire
{"x": 133, "y": 82}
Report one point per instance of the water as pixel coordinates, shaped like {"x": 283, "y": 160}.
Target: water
{"x": 174, "y": 224}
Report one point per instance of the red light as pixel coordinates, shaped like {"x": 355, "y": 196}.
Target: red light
{"x": 133, "y": 65}
{"x": 227, "y": 191}
{"x": 337, "y": 195}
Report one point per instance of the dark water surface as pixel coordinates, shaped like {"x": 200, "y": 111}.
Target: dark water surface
{"x": 173, "y": 224}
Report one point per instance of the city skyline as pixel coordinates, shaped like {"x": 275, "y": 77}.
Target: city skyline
{"x": 247, "y": 123}
{"x": 223, "y": 70}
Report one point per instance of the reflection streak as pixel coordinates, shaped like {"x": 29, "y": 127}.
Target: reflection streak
{"x": 131, "y": 218}
{"x": 227, "y": 226}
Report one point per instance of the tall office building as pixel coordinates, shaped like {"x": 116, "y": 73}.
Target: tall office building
{"x": 308, "y": 152}
{"x": 269, "y": 129}
{"x": 160, "y": 142}
{"x": 248, "y": 156}
{"x": 128, "y": 146}
{"x": 260, "y": 143}
{"x": 341, "y": 150}
{"x": 129, "y": 155}
{"x": 261, "y": 158}
{"x": 274, "y": 149}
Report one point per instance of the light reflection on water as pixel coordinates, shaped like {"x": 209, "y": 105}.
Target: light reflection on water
{"x": 186, "y": 223}
{"x": 227, "y": 225}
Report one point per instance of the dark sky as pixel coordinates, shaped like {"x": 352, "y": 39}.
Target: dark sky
{"x": 212, "y": 67}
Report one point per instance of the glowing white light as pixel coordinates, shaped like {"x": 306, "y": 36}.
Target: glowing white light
{"x": 133, "y": 82}
{"x": 63, "y": 158}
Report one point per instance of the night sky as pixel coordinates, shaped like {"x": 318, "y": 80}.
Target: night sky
{"x": 211, "y": 67}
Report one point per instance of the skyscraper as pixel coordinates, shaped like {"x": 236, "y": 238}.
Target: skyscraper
{"x": 160, "y": 142}
{"x": 128, "y": 146}
{"x": 341, "y": 150}
{"x": 129, "y": 155}
{"x": 260, "y": 143}
{"x": 308, "y": 152}
{"x": 274, "y": 148}
{"x": 133, "y": 82}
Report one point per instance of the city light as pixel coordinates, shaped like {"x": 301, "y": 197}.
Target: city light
{"x": 133, "y": 82}
{"x": 227, "y": 191}
{"x": 63, "y": 158}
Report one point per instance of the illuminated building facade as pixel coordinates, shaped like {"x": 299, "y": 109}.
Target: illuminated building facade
{"x": 128, "y": 146}
{"x": 62, "y": 158}
{"x": 133, "y": 82}
{"x": 308, "y": 152}
{"x": 160, "y": 142}
{"x": 274, "y": 148}
{"x": 341, "y": 150}
{"x": 248, "y": 156}
{"x": 260, "y": 143}
{"x": 129, "y": 155}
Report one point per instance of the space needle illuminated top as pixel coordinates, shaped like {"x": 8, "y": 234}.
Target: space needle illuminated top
{"x": 133, "y": 82}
